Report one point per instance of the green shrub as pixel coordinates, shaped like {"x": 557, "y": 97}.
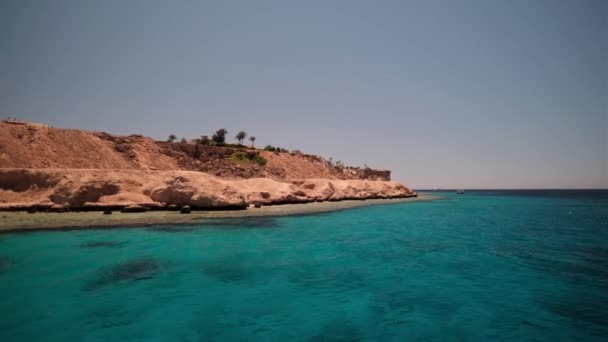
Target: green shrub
{"x": 276, "y": 149}
{"x": 258, "y": 159}
{"x": 244, "y": 157}
{"x": 239, "y": 156}
{"x": 235, "y": 146}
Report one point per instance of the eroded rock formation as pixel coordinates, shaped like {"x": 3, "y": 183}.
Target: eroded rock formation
{"x": 114, "y": 189}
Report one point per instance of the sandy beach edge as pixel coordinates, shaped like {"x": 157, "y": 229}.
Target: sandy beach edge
{"x": 14, "y": 222}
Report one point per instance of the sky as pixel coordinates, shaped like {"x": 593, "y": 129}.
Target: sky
{"x": 446, "y": 94}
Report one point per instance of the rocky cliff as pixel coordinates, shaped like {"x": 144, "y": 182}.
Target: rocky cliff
{"x": 43, "y": 167}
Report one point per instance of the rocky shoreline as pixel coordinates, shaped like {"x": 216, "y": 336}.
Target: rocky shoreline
{"x": 47, "y": 169}
{"x": 62, "y": 190}
{"x": 19, "y": 221}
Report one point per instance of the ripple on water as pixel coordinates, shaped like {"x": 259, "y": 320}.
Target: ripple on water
{"x": 581, "y": 308}
{"x": 5, "y": 264}
{"x": 96, "y": 244}
{"x": 172, "y": 229}
{"x": 133, "y": 270}
{"x": 106, "y": 317}
{"x": 316, "y": 277}
{"x": 580, "y": 264}
{"x": 397, "y": 249}
{"x": 241, "y": 222}
{"x": 338, "y": 330}
{"x": 227, "y": 272}
{"x": 392, "y": 307}
{"x": 595, "y": 258}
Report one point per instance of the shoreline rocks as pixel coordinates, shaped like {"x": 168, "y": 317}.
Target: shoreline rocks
{"x": 135, "y": 208}
{"x": 59, "y": 190}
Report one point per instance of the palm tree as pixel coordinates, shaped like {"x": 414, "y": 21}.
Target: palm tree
{"x": 252, "y": 139}
{"x": 197, "y": 152}
{"x": 172, "y": 138}
{"x": 220, "y": 136}
{"x": 241, "y": 136}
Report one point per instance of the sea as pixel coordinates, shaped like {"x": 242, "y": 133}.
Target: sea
{"x": 480, "y": 266}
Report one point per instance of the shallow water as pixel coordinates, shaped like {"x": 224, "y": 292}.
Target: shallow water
{"x": 480, "y": 266}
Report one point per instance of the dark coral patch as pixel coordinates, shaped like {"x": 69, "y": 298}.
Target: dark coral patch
{"x": 172, "y": 229}
{"x": 338, "y": 330}
{"x": 138, "y": 269}
{"x": 226, "y": 272}
{"x": 96, "y": 244}
{"x": 317, "y": 277}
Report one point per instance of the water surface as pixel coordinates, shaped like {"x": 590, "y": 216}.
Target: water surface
{"x": 480, "y": 266}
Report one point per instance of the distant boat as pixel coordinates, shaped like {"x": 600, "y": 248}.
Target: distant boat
{"x": 460, "y": 192}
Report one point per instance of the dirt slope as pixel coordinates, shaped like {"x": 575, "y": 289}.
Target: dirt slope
{"x": 35, "y": 146}
{"x": 38, "y": 146}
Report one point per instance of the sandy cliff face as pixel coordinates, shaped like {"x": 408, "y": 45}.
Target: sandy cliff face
{"x": 43, "y": 167}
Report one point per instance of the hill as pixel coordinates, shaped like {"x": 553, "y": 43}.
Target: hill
{"x": 42, "y": 166}
{"x": 36, "y": 146}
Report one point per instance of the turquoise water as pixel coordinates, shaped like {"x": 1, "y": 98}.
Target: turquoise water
{"x": 480, "y": 266}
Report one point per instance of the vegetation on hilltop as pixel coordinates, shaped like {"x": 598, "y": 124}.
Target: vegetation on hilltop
{"x": 274, "y": 149}
{"x": 240, "y": 137}
{"x": 219, "y": 138}
{"x": 242, "y": 156}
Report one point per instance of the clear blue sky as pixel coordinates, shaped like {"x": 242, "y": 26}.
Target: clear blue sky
{"x": 466, "y": 94}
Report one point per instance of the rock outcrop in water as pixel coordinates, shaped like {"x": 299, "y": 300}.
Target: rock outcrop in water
{"x": 51, "y": 169}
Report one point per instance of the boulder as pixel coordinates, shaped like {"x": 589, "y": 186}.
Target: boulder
{"x": 135, "y": 208}
{"x": 58, "y": 208}
{"x": 176, "y": 191}
{"x": 226, "y": 200}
